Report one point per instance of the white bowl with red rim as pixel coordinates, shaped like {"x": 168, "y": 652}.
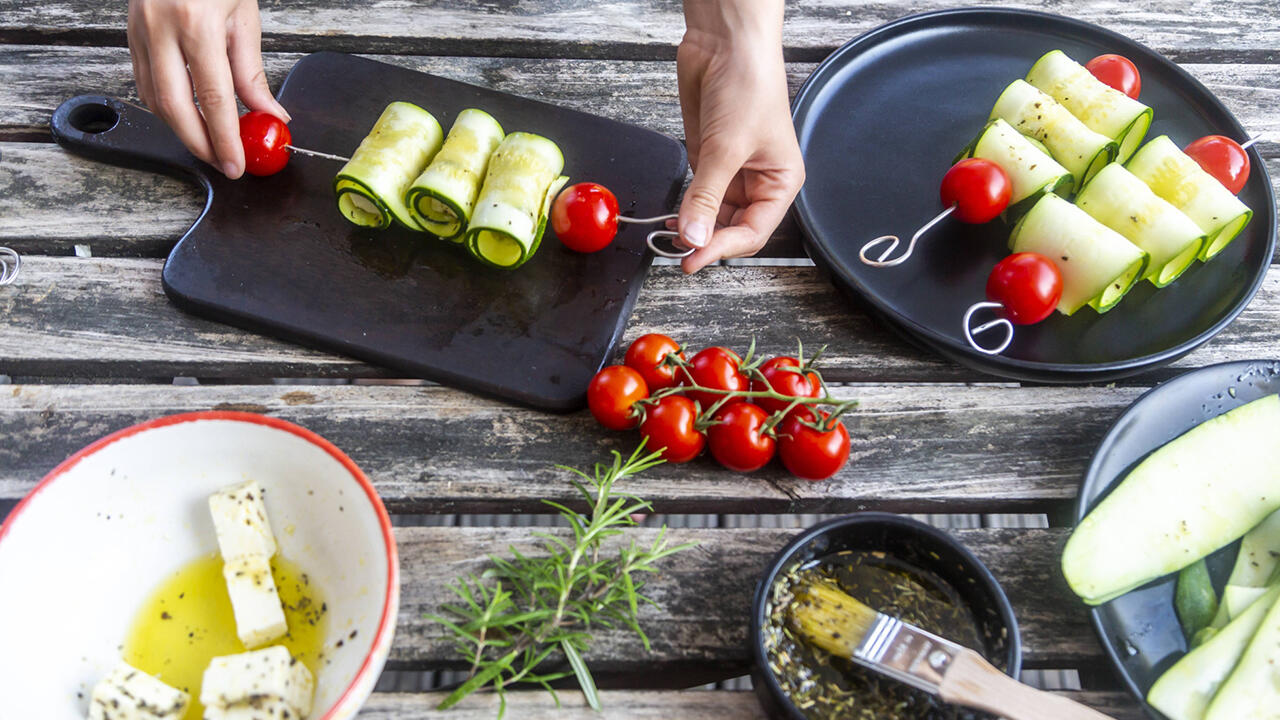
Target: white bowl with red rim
{"x": 79, "y": 554}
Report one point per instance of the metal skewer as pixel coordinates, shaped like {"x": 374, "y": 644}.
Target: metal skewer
{"x": 316, "y": 153}
{"x": 893, "y": 241}
{"x": 10, "y": 264}
{"x": 969, "y": 332}
{"x": 654, "y": 235}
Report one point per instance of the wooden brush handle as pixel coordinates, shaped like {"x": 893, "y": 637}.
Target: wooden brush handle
{"x": 973, "y": 682}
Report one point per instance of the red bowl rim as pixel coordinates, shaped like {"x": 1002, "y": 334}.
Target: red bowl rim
{"x": 386, "y": 624}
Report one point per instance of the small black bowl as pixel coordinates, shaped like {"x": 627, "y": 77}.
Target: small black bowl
{"x": 912, "y": 542}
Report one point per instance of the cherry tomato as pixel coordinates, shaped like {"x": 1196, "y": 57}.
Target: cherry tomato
{"x": 1222, "y": 158}
{"x": 612, "y": 394}
{"x": 784, "y": 381}
{"x": 264, "y": 136}
{"x": 735, "y": 440}
{"x": 1028, "y": 285}
{"x": 716, "y": 368}
{"x": 646, "y": 356}
{"x": 585, "y": 217}
{"x": 670, "y": 426}
{"x": 980, "y": 190}
{"x": 809, "y": 453}
{"x": 1118, "y": 72}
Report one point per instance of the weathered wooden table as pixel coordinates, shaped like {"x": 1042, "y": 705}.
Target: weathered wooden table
{"x": 90, "y": 344}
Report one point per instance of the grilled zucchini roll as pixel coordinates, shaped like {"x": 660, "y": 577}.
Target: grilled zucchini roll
{"x": 442, "y": 197}
{"x": 1031, "y": 112}
{"x": 1122, "y": 202}
{"x": 1101, "y": 108}
{"x": 511, "y": 212}
{"x": 1098, "y": 265}
{"x": 1175, "y": 177}
{"x": 1031, "y": 170}
{"x": 371, "y": 186}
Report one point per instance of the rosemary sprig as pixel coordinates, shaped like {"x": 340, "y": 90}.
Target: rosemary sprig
{"x": 516, "y": 614}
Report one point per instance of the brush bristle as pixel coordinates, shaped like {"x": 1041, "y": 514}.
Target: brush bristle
{"x": 830, "y": 619}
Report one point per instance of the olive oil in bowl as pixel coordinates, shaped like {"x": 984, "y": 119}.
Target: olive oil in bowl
{"x": 823, "y": 686}
{"x": 187, "y": 620}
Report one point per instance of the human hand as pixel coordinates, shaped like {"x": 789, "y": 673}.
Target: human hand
{"x": 747, "y": 166}
{"x": 211, "y": 47}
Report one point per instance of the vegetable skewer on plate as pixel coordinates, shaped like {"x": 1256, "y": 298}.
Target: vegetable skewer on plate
{"x": 975, "y": 190}
{"x": 1122, "y": 202}
{"x": 371, "y": 187}
{"x": 1098, "y": 265}
{"x": 511, "y": 212}
{"x": 1033, "y": 113}
{"x": 442, "y": 198}
{"x": 1099, "y": 107}
{"x": 1174, "y": 176}
{"x": 1031, "y": 169}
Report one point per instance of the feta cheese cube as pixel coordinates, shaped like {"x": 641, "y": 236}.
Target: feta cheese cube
{"x": 261, "y": 708}
{"x": 271, "y": 672}
{"x": 127, "y": 693}
{"x": 240, "y": 520}
{"x": 254, "y": 600}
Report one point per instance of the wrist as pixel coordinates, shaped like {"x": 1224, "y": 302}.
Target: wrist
{"x": 733, "y": 22}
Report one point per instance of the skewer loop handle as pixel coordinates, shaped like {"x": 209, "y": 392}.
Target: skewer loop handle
{"x": 894, "y": 242}
{"x": 10, "y": 264}
{"x": 971, "y": 332}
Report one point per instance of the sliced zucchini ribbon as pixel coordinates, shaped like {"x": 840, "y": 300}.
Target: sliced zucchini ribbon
{"x": 442, "y": 197}
{"x": 371, "y": 186}
{"x": 511, "y": 211}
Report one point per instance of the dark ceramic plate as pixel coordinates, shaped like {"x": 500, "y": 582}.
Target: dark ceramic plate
{"x": 879, "y": 124}
{"x": 1139, "y": 630}
{"x": 274, "y": 255}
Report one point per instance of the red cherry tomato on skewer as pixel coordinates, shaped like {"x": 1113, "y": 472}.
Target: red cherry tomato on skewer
{"x": 612, "y": 395}
{"x": 1222, "y": 158}
{"x": 1028, "y": 285}
{"x": 647, "y": 355}
{"x": 585, "y": 217}
{"x": 974, "y": 190}
{"x": 736, "y": 441}
{"x": 1025, "y": 287}
{"x": 265, "y": 138}
{"x": 978, "y": 189}
{"x": 1117, "y": 71}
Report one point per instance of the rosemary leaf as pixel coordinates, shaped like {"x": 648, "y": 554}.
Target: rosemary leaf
{"x": 521, "y": 610}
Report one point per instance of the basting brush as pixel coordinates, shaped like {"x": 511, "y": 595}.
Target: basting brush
{"x": 833, "y": 621}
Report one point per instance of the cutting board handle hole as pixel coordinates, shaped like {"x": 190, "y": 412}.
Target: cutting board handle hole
{"x": 93, "y": 118}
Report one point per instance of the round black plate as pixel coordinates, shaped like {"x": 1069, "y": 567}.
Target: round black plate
{"x": 879, "y": 123}
{"x": 1139, "y": 630}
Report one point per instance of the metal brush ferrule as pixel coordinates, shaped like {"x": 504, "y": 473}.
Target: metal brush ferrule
{"x": 906, "y": 653}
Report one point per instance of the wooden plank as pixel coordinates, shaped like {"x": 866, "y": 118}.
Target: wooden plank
{"x": 705, "y": 596}
{"x": 930, "y": 448}
{"x": 636, "y": 29}
{"x": 639, "y": 92}
{"x": 107, "y": 317}
{"x": 636, "y": 705}
{"x": 49, "y": 195}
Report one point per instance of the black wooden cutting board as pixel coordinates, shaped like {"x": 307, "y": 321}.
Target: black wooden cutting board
{"x": 274, "y": 255}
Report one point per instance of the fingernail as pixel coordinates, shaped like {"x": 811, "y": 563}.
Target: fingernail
{"x": 287, "y": 116}
{"x": 229, "y": 169}
{"x": 695, "y": 233}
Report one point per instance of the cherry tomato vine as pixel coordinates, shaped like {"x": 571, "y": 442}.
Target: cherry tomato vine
{"x": 745, "y": 409}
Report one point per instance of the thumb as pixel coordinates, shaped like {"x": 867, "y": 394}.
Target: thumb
{"x": 702, "y": 200}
